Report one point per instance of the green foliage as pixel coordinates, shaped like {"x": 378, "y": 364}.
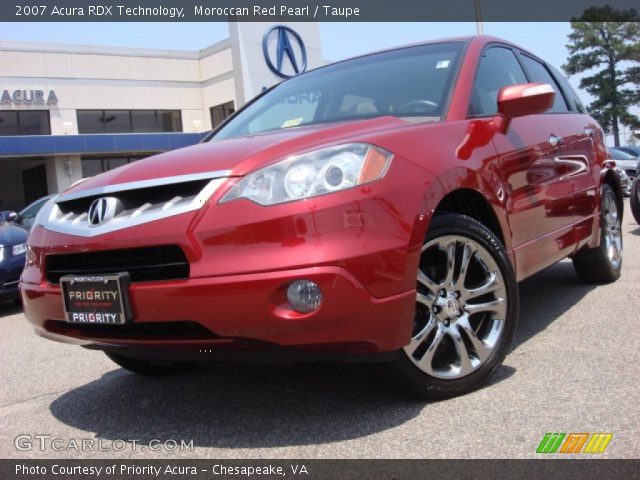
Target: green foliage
{"x": 606, "y": 42}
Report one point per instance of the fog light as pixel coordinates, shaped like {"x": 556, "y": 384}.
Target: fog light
{"x": 304, "y": 296}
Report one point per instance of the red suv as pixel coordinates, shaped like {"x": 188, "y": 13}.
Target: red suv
{"x": 377, "y": 209}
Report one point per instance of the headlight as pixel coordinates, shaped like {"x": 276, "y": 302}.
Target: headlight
{"x": 18, "y": 249}
{"x": 314, "y": 173}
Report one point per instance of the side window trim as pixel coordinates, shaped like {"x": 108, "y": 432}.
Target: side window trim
{"x": 520, "y": 54}
{"x": 576, "y": 105}
{"x": 489, "y": 46}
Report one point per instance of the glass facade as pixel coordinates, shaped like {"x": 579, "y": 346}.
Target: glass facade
{"x": 220, "y": 113}
{"x": 24, "y": 122}
{"x": 92, "y": 166}
{"x": 129, "y": 121}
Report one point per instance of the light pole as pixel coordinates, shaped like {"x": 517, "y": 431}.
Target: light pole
{"x": 479, "y": 28}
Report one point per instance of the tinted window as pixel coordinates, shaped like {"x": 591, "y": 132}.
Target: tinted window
{"x": 24, "y": 122}
{"x": 498, "y": 68}
{"x": 220, "y": 113}
{"x": 95, "y": 165}
{"x": 32, "y": 210}
{"x": 575, "y": 103}
{"x": 127, "y": 121}
{"x": 539, "y": 73}
{"x": 408, "y": 82}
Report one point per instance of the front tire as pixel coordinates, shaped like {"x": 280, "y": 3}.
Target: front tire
{"x": 466, "y": 311}
{"x": 147, "y": 368}
{"x": 603, "y": 263}
{"x": 634, "y": 199}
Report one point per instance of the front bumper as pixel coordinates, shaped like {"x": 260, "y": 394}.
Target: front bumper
{"x": 247, "y": 312}
{"x": 360, "y": 246}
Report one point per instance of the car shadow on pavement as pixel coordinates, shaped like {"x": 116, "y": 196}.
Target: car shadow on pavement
{"x": 238, "y": 406}
{"x": 546, "y": 296}
{"x": 635, "y": 232}
{"x": 243, "y": 406}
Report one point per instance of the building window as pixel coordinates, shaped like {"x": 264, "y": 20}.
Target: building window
{"x": 92, "y": 166}
{"x": 24, "y": 122}
{"x": 129, "y": 121}
{"x": 220, "y": 113}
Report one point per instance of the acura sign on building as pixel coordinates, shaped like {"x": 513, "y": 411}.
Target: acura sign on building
{"x": 128, "y": 103}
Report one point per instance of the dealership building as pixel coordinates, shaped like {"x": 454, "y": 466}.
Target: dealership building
{"x": 73, "y": 111}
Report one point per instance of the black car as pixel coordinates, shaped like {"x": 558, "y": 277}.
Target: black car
{"x": 13, "y": 249}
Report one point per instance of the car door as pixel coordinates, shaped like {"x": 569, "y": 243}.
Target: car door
{"x": 577, "y": 150}
{"x": 538, "y": 199}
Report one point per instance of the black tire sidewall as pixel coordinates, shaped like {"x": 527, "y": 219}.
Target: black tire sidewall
{"x": 633, "y": 199}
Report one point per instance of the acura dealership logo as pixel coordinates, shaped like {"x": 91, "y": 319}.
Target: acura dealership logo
{"x": 103, "y": 209}
{"x": 289, "y": 46}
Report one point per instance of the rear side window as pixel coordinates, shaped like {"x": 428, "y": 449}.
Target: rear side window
{"x": 575, "y": 103}
{"x": 498, "y": 68}
{"x": 539, "y": 73}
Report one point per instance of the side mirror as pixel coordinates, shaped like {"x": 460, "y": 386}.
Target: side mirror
{"x": 521, "y": 100}
{"x": 12, "y": 216}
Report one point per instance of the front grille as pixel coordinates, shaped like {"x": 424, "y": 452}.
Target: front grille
{"x": 144, "y": 330}
{"x": 143, "y": 264}
{"x": 135, "y": 202}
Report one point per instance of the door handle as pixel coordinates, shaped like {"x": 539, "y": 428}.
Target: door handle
{"x": 555, "y": 140}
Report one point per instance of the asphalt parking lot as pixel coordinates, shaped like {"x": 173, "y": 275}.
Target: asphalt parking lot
{"x": 573, "y": 368}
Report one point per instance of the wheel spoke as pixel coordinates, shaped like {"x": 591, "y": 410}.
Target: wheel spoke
{"x": 491, "y": 285}
{"x": 425, "y": 361}
{"x": 450, "y": 249}
{"x": 420, "y": 337}
{"x": 424, "y": 300}
{"x": 496, "y": 305}
{"x": 482, "y": 350}
{"x": 427, "y": 282}
{"x": 467, "y": 254}
{"x": 461, "y": 350}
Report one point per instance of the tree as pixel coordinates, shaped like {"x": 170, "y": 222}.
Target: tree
{"x": 608, "y": 41}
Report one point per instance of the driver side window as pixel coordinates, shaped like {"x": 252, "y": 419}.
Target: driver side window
{"x": 498, "y": 68}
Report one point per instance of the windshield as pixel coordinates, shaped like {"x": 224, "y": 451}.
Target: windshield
{"x": 409, "y": 82}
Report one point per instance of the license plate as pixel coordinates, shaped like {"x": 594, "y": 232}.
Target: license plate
{"x": 96, "y": 298}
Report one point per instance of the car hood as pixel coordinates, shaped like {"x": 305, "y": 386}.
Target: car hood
{"x": 239, "y": 156}
{"x": 12, "y": 235}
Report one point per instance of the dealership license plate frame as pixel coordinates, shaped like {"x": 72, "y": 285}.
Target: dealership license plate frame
{"x": 119, "y": 306}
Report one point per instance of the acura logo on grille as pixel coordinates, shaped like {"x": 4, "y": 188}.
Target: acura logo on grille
{"x": 103, "y": 209}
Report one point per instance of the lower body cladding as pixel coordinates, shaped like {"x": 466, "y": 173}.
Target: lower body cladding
{"x": 242, "y": 317}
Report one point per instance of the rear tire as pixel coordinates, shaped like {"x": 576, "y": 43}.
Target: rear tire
{"x": 149, "y": 368}
{"x": 466, "y": 311}
{"x": 634, "y": 199}
{"x": 603, "y": 263}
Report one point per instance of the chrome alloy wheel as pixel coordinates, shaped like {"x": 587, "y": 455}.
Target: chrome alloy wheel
{"x": 612, "y": 230}
{"x": 461, "y": 305}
